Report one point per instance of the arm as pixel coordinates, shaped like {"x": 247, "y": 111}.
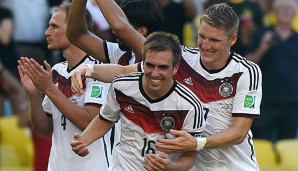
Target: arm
{"x": 101, "y": 72}
{"x": 16, "y": 95}
{"x": 265, "y": 44}
{"x": 185, "y": 142}
{"x": 95, "y": 130}
{"x": 42, "y": 79}
{"x": 41, "y": 124}
{"x": 78, "y": 34}
{"x": 162, "y": 162}
{"x": 121, "y": 26}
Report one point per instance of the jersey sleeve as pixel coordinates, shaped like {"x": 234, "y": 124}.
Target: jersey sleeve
{"x": 248, "y": 96}
{"x": 96, "y": 91}
{"x": 46, "y": 105}
{"x": 114, "y": 52}
{"x": 194, "y": 122}
{"x": 111, "y": 108}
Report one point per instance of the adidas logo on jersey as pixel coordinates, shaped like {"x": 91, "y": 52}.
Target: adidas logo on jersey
{"x": 188, "y": 81}
{"x": 129, "y": 109}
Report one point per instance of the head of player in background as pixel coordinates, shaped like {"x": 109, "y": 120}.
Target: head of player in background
{"x": 217, "y": 34}
{"x": 161, "y": 56}
{"x": 144, "y": 15}
{"x": 56, "y": 32}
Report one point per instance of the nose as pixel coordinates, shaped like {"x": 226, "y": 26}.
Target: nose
{"x": 47, "y": 32}
{"x": 155, "y": 72}
{"x": 205, "y": 44}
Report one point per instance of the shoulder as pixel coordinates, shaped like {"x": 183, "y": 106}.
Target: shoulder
{"x": 134, "y": 76}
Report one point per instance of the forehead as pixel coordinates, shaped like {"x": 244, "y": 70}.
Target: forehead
{"x": 209, "y": 31}
{"x": 159, "y": 57}
{"x": 58, "y": 17}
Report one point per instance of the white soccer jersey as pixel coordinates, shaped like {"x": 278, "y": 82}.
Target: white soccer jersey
{"x": 62, "y": 158}
{"x": 116, "y": 56}
{"x": 234, "y": 91}
{"x": 144, "y": 120}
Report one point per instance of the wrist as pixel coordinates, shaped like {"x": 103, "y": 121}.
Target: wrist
{"x": 91, "y": 69}
{"x": 201, "y": 143}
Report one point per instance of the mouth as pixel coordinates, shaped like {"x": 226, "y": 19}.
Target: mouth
{"x": 155, "y": 81}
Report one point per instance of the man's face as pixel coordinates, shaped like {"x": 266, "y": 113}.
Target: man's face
{"x": 158, "y": 72}
{"x": 6, "y": 27}
{"x": 214, "y": 46}
{"x": 56, "y": 32}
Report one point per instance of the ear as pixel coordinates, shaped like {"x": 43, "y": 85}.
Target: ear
{"x": 143, "y": 31}
{"x": 233, "y": 39}
{"x": 175, "y": 69}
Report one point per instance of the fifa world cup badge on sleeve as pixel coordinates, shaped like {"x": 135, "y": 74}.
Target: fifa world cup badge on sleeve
{"x": 249, "y": 102}
{"x": 96, "y": 91}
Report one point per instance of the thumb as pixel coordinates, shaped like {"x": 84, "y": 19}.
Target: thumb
{"x": 162, "y": 155}
{"x": 77, "y": 136}
{"x": 176, "y": 132}
{"x": 47, "y": 65}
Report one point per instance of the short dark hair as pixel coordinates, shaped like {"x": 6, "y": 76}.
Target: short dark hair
{"x": 162, "y": 41}
{"x": 143, "y": 13}
{"x": 5, "y": 14}
{"x": 66, "y": 6}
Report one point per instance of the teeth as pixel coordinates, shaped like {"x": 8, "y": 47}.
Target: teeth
{"x": 155, "y": 81}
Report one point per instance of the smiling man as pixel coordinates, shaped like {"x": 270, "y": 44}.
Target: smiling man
{"x": 143, "y": 103}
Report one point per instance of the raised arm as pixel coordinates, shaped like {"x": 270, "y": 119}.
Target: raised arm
{"x": 101, "y": 72}
{"x": 121, "y": 26}
{"x": 78, "y": 33}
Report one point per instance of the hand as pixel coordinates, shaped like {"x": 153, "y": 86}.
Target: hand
{"x": 25, "y": 80}
{"x": 77, "y": 77}
{"x": 78, "y": 145}
{"x": 41, "y": 78}
{"x": 157, "y": 162}
{"x": 182, "y": 143}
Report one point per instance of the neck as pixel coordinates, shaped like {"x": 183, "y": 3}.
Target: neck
{"x": 73, "y": 55}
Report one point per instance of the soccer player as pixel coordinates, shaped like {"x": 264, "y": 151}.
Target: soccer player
{"x": 62, "y": 112}
{"x": 144, "y": 15}
{"x": 229, "y": 86}
{"x": 143, "y": 103}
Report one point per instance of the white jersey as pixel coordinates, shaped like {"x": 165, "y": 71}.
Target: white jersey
{"x": 233, "y": 91}
{"x": 144, "y": 120}
{"x": 62, "y": 158}
{"x": 116, "y": 56}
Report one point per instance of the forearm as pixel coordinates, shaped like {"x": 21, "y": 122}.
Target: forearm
{"x": 257, "y": 55}
{"x": 76, "y": 25}
{"x": 184, "y": 162}
{"x": 121, "y": 26}
{"x": 107, "y": 72}
{"x": 79, "y": 116}
{"x": 233, "y": 135}
{"x": 96, "y": 129}
{"x": 39, "y": 120}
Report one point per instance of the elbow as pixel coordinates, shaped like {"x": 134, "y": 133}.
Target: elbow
{"x": 120, "y": 27}
{"x": 240, "y": 138}
{"x": 41, "y": 134}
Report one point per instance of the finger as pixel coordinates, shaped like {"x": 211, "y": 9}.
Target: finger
{"x": 47, "y": 65}
{"x": 154, "y": 162}
{"x": 74, "y": 85}
{"x": 35, "y": 66}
